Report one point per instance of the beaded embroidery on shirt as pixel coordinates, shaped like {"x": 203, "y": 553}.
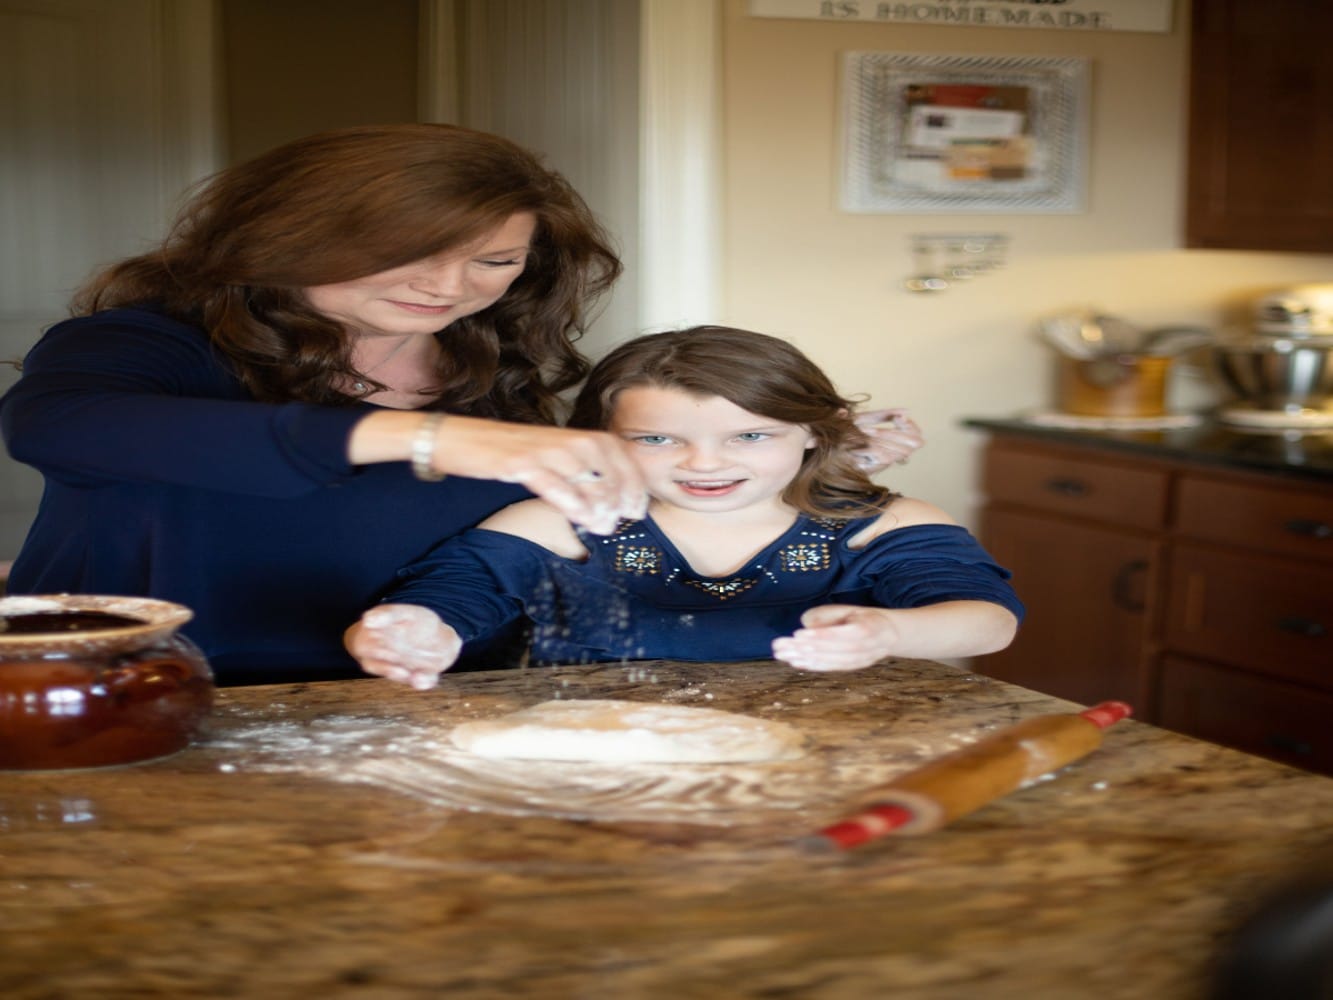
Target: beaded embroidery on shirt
{"x": 641, "y": 560}
{"x": 804, "y": 558}
{"x": 721, "y": 589}
{"x": 812, "y": 553}
{"x": 634, "y": 554}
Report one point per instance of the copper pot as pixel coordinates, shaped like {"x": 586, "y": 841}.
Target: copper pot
{"x": 1121, "y": 385}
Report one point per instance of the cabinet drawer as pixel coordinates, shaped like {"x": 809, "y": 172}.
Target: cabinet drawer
{"x": 1271, "y": 615}
{"x": 1255, "y": 714}
{"x": 1067, "y": 484}
{"x": 1283, "y": 521}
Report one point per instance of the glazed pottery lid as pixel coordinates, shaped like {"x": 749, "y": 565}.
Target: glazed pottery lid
{"x": 151, "y": 620}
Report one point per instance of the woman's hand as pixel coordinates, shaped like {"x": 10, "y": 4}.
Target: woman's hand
{"x": 894, "y": 436}
{"x": 837, "y": 637}
{"x": 586, "y": 475}
{"x": 405, "y": 643}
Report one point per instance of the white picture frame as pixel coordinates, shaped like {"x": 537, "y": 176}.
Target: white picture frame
{"x": 928, "y": 133}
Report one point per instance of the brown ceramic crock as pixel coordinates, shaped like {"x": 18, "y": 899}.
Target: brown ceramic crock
{"x": 94, "y": 681}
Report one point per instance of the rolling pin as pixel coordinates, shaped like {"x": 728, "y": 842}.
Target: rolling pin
{"x": 937, "y": 793}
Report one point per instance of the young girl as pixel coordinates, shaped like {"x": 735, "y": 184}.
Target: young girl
{"x": 763, "y": 537}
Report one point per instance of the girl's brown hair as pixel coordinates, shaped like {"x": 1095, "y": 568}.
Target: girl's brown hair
{"x": 353, "y": 202}
{"x": 758, "y": 373}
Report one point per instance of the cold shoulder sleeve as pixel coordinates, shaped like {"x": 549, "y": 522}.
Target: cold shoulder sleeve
{"x": 927, "y": 564}
{"x": 133, "y": 396}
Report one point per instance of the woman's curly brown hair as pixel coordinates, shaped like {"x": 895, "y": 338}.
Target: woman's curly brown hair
{"x": 760, "y": 374}
{"x": 344, "y": 204}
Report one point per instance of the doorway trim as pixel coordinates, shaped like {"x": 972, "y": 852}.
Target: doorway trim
{"x": 679, "y": 224}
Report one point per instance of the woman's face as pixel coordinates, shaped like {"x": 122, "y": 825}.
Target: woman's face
{"x": 428, "y": 295}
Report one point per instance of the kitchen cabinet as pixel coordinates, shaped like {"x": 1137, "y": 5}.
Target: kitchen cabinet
{"x": 1260, "y": 126}
{"x": 1202, "y": 595}
{"x": 1081, "y": 540}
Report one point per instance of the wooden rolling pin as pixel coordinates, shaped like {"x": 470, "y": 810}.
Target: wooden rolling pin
{"x": 958, "y": 783}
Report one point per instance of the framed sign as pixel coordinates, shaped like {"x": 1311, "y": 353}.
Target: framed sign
{"x": 1057, "y": 15}
{"x": 965, "y": 133}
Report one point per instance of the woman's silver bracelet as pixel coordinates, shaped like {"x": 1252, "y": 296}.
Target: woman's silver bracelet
{"x": 423, "y": 448}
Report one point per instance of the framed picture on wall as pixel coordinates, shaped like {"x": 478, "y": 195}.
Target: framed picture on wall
{"x": 963, "y": 133}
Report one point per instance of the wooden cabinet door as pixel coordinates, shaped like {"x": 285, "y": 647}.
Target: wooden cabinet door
{"x": 1087, "y": 590}
{"x": 1261, "y": 126}
{"x": 1259, "y": 715}
{"x": 1271, "y": 616}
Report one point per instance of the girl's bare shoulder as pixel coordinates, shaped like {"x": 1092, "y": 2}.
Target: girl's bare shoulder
{"x": 903, "y": 512}
{"x": 539, "y": 523}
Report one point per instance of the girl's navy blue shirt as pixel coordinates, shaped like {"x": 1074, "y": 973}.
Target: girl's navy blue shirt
{"x": 635, "y": 596}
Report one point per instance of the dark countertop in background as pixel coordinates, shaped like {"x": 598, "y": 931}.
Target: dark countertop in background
{"x": 1306, "y": 456}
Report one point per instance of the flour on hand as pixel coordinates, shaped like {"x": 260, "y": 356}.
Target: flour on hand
{"x": 628, "y": 732}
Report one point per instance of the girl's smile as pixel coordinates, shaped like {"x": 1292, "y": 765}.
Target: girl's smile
{"x": 705, "y": 489}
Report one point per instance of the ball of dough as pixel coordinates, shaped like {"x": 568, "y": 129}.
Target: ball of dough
{"x": 611, "y": 731}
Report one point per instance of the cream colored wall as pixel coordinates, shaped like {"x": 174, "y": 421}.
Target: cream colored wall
{"x": 795, "y": 266}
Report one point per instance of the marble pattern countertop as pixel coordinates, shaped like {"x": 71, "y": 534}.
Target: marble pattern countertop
{"x": 324, "y": 840}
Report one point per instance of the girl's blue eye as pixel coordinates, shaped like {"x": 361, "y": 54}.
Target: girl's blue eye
{"x": 651, "y": 439}
{"x": 752, "y": 436}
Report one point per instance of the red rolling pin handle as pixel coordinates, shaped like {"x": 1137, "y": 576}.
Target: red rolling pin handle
{"x": 967, "y": 779}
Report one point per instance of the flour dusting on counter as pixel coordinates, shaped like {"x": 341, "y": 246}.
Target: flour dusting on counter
{"x": 417, "y": 760}
{"x": 854, "y": 741}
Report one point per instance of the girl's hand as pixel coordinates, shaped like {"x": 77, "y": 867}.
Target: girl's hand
{"x": 848, "y": 637}
{"x": 894, "y": 436}
{"x": 404, "y": 643}
{"x": 837, "y": 637}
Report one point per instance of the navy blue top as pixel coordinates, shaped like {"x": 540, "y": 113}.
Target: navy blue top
{"x": 164, "y": 478}
{"x": 635, "y": 596}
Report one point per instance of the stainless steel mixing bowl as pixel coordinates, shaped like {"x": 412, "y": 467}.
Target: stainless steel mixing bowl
{"x": 1277, "y": 373}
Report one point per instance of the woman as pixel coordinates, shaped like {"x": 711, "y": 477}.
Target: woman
{"x": 254, "y": 418}
{"x": 249, "y": 419}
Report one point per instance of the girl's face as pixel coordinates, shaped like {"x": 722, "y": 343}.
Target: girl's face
{"x": 428, "y": 295}
{"x": 704, "y": 453}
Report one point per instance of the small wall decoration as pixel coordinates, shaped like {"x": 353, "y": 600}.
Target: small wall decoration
{"x": 962, "y": 133}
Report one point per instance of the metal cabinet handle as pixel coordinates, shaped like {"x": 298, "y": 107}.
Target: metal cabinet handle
{"x": 1288, "y": 744}
{"x": 1121, "y": 594}
{"x": 1309, "y": 529}
{"x": 1068, "y": 487}
{"x": 1302, "y": 626}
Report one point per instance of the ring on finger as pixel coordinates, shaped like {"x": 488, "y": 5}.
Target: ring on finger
{"x": 586, "y": 476}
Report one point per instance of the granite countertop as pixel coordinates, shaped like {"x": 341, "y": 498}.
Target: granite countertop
{"x": 324, "y": 840}
{"x": 1206, "y": 442}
